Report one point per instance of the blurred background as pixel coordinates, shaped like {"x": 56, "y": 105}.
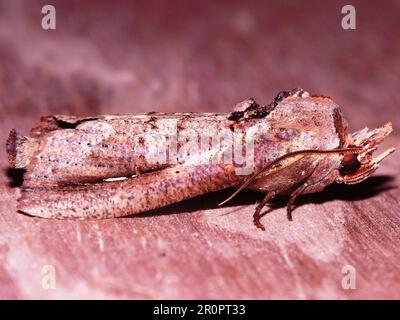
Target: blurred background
{"x": 205, "y": 56}
{"x": 133, "y": 56}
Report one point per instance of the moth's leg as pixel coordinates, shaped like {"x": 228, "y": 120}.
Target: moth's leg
{"x": 306, "y": 182}
{"x": 290, "y": 206}
{"x": 257, "y": 213}
{"x": 293, "y": 196}
{"x": 309, "y": 182}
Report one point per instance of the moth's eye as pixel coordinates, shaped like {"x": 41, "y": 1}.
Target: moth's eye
{"x": 350, "y": 163}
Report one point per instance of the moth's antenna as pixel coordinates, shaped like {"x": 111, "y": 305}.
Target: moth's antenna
{"x": 291, "y": 154}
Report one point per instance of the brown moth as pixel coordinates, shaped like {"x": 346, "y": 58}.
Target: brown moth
{"x": 117, "y": 165}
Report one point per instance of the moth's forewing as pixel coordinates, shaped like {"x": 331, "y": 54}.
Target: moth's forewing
{"x": 122, "y": 198}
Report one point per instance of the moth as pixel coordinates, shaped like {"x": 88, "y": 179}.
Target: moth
{"x": 117, "y": 165}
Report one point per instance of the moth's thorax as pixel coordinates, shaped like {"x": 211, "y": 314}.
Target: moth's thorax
{"x": 298, "y": 123}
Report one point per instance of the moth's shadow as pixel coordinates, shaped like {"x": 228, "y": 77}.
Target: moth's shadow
{"x": 366, "y": 189}
{"x": 15, "y": 176}
{"x": 356, "y": 192}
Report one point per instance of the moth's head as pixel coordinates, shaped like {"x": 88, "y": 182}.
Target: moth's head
{"x": 356, "y": 167}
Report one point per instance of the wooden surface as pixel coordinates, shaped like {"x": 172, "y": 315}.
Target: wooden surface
{"x": 115, "y": 57}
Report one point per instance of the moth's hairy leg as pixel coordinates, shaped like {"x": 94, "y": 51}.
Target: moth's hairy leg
{"x": 305, "y": 183}
{"x": 257, "y": 213}
{"x": 293, "y": 196}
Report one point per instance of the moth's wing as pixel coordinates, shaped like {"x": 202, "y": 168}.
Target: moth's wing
{"x": 130, "y": 196}
{"x": 71, "y": 150}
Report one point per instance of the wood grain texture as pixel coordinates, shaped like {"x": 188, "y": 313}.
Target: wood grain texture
{"x": 183, "y": 56}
